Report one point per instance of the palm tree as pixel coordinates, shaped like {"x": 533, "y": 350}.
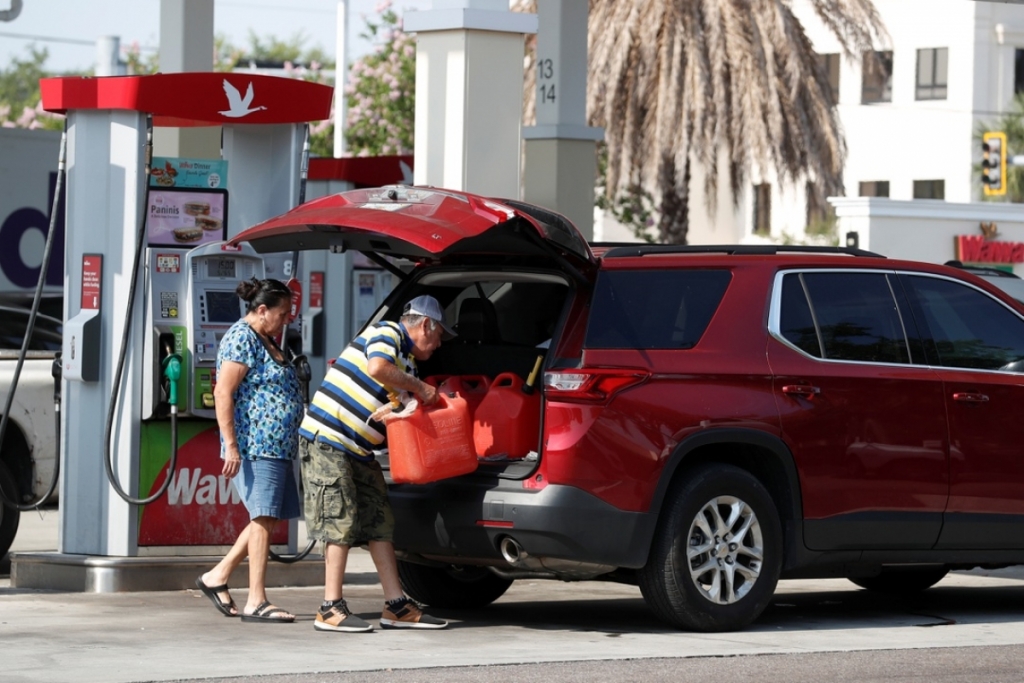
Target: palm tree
{"x": 712, "y": 82}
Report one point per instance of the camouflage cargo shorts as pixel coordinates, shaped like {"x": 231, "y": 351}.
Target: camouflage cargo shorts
{"x": 346, "y": 500}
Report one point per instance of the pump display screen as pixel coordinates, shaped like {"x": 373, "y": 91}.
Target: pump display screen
{"x": 223, "y": 307}
{"x": 221, "y": 267}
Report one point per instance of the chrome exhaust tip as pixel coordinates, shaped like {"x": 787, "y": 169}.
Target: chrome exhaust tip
{"x": 511, "y": 550}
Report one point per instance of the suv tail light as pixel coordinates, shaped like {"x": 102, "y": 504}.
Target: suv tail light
{"x": 591, "y": 385}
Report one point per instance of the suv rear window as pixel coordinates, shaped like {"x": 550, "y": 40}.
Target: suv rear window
{"x": 653, "y": 309}
{"x": 855, "y": 314}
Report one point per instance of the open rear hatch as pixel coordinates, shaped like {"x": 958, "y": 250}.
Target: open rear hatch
{"x": 423, "y": 225}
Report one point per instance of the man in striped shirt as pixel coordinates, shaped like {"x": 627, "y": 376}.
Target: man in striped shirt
{"x": 345, "y": 494}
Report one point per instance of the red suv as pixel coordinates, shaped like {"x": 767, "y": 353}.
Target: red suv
{"x": 713, "y": 419}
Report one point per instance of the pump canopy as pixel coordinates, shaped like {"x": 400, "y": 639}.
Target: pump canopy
{"x": 194, "y": 99}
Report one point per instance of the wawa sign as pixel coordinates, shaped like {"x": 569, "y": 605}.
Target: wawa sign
{"x": 984, "y": 248}
{"x": 201, "y": 506}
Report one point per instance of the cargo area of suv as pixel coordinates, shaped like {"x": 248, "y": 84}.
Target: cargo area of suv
{"x": 709, "y": 419}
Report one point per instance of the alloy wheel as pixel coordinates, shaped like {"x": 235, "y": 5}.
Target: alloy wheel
{"x": 725, "y": 550}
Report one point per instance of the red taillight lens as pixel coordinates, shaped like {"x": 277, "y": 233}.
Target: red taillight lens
{"x": 591, "y": 385}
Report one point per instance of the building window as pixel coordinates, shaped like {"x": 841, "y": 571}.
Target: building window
{"x": 932, "y": 65}
{"x": 874, "y": 188}
{"x": 763, "y": 209}
{"x": 830, "y": 64}
{"x": 1018, "y": 71}
{"x": 821, "y": 216}
{"x": 877, "y": 84}
{"x": 929, "y": 189}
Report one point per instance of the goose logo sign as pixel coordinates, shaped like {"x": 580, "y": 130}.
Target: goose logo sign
{"x": 194, "y": 99}
{"x": 239, "y": 106}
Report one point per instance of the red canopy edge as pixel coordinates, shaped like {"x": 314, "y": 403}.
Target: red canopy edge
{"x": 195, "y": 98}
{"x": 363, "y": 171}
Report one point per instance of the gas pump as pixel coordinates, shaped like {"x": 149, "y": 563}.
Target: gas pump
{"x": 190, "y": 304}
{"x": 185, "y": 280}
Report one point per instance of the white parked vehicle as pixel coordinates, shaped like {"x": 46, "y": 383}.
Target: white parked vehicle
{"x": 27, "y": 454}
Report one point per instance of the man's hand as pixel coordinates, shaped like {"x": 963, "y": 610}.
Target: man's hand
{"x": 427, "y": 394}
{"x": 388, "y": 374}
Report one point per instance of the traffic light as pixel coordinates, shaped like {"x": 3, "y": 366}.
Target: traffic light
{"x": 993, "y": 163}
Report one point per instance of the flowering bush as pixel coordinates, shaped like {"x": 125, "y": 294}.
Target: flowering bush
{"x": 381, "y": 90}
{"x": 20, "y": 103}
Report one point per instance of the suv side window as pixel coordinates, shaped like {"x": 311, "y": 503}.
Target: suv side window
{"x": 797, "y": 323}
{"x": 653, "y": 309}
{"x": 970, "y": 329}
{"x": 849, "y": 316}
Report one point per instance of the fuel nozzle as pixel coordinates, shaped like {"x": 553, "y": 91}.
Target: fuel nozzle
{"x": 171, "y": 365}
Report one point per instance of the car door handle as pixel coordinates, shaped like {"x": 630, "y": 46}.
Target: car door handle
{"x": 969, "y": 397}
{"x": 805, "y": 390}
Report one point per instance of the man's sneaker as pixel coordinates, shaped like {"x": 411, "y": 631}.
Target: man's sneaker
{"x": 405, "y": 614}
{"x": 337, "y": 617}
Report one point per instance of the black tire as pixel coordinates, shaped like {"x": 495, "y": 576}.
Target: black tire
{"x": 897, "y": 580}
{"x": 693, "y": 508}
{"x": 455, "y": 586}
{"x": 9, "y": 517}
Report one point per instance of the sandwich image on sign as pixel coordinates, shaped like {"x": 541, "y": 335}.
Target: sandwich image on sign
{"x": 197, "y": 208}
{"x": 208, "y": 223}
{"x": 188, "y": 233}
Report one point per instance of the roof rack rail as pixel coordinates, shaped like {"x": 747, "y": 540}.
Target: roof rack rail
{"x": 619, "y": 250}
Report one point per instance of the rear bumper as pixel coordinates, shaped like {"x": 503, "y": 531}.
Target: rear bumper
{"x": 464, "y": 521}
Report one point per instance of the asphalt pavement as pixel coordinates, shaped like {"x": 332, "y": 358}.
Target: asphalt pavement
{"x": 540, "y": 625}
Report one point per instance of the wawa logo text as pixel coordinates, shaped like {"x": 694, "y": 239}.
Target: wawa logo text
{"x": 188, "y": 486}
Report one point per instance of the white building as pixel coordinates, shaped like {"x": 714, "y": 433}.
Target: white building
{"x": 956, "y": 65}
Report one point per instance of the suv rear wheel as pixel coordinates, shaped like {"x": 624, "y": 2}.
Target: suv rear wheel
{"x": 717, "y": 553}
{"x": 454, "y": 586}
{"x": 9, "y": 517}
{"x": 896, "y": 580}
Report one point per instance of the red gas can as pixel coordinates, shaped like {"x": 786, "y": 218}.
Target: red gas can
{"x": 433, "y": 443}
{"x": 508, "y": 419}
{"x": 473, "y": 388}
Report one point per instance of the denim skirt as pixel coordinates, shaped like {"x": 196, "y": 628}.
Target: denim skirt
{"x": 268, "y": 488}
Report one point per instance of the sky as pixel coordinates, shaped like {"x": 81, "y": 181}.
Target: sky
{"x": 69, "y": 28}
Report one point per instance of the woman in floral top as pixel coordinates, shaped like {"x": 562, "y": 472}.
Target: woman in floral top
{"x": 259, "y": 407}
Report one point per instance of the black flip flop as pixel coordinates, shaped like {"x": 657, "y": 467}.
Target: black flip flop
{"x": 264, "y": 613}
{"x": 211, "y": 592}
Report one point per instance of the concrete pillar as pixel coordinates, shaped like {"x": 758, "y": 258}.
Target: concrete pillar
{"x": 108, "y": 56}
{"x": 469, "y": 84}
{"x": 561, "y": 159}
{"x": 270, "y": 189}
{"x": 186, "y": 44}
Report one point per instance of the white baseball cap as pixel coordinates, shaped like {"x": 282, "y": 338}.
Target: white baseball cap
{"x": 427, "y": 305}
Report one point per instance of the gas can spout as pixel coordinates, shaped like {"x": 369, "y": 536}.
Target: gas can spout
{"x": 396, "y": 401}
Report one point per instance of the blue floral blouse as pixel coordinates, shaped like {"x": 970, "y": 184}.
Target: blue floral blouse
{"x": 268, "y": 402}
